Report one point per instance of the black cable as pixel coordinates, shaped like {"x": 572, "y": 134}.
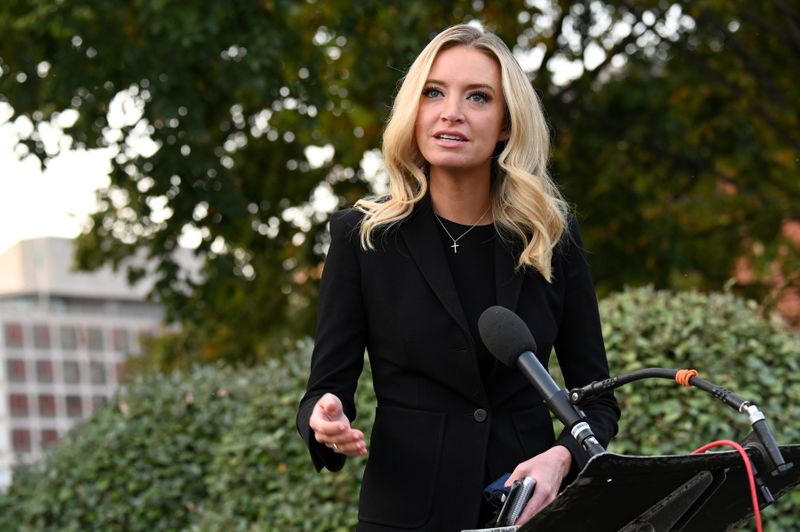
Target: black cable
{"x": 591, "y": 390}
{"x": 763, "y": 442}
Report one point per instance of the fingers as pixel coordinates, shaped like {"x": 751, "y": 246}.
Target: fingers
{"x": 349, "y": 442}
{"x": 548, "y": 469}
{"x": 354, "y": 446}
{"x": 538, "y": 500}
{"x": 522, "y": 470}
{"x": 332, "y": 428}
{"x": 339, "y": 437}
{"x": 322, "y": 426}
{"x": 543, "y": 494}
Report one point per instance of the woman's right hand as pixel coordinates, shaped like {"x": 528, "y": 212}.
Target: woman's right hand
{"x": 332, "y": 428}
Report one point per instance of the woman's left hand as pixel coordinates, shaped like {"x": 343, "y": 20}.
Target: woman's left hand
{"x": 549, "y": 469}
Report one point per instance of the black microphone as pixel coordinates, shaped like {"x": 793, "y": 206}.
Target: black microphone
{"x": 508, "y": 338}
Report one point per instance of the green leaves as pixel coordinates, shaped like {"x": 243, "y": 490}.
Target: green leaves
{"x": 676, "y": 137}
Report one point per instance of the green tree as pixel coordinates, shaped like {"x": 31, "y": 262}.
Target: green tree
{"x": 676, "y": 136}
{"x": 231, "y": 95}
{"x": 685, "y": 155}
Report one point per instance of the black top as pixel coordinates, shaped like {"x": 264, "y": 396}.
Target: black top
{"x": 472, "y": 268}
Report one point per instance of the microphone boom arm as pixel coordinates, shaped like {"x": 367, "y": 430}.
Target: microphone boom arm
{"x": 764, "y": 439}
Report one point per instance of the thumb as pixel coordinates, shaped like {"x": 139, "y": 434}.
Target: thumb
{"x": 332, "y": 407}
{"x": 516, "y": 474}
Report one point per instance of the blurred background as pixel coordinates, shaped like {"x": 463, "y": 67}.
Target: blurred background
{"x": 201, "y": 149}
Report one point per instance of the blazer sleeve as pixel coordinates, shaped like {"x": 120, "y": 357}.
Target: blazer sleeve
{"x": 579, "y": 343}
{"x": 338, "y": 356}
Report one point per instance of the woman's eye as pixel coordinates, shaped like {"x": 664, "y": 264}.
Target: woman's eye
{"x": 479, "y": 97}
{"x": 432, "y": 92}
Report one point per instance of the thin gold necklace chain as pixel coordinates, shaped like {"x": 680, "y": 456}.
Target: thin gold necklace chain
{"x": 455, "y": 240}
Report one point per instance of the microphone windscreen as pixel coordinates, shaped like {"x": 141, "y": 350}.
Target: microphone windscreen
{"x": 505, "y": 335}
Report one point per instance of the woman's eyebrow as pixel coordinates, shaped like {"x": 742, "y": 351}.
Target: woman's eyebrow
{"x": 471, "y": 86}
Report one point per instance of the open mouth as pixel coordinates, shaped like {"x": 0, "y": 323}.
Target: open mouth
{"x": 453, "y": 138}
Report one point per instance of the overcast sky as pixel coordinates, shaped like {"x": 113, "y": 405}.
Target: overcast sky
{"x": 53, "y": 202}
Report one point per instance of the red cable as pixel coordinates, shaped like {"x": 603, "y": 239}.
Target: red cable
{"x": 747, "y": 466}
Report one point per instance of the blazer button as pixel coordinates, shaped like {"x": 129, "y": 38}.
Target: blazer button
{"x": 480, "y": 415}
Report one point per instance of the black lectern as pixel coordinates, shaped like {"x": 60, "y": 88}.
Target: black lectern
{"x": 700, "y": 492}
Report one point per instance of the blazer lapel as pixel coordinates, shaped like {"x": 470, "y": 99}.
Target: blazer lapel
{"x": 425, "y": 245}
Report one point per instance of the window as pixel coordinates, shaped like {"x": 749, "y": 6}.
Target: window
{"x": 18, "y": 404}
{"x": 47, "y": 405}
{"x": 44, "y": 371}
{"x": 13, "y": 333}
{"x": 120, "y": 340}
{"x": 21, "y": 440}
{"x": 95, "y": 339}
{"x": 41, "y": 336}
{"x": 72, "y": 372}
{"x": 97, "y": 372}
{"x": 69, "y": 338}
{"x": 74, "y": 407}
{"x": 49, "y": 436}
{"x": 15, "y": 369}
{"x": 99, "y": 402}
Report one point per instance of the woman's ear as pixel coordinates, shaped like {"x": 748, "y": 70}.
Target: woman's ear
{"x": 505, "y": 133}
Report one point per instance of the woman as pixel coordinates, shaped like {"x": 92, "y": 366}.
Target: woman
{"x": 472, "y": 220}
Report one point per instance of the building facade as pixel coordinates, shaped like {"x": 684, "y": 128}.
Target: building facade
{"x": 64, "y": 340}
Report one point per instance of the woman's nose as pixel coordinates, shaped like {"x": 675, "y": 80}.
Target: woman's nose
{"x": 452, "y": 110}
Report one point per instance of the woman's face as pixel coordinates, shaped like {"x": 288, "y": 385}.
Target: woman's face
{"x": 461, "y": 111}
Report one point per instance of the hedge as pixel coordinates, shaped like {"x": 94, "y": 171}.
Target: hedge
{"x": 216, "y": 448}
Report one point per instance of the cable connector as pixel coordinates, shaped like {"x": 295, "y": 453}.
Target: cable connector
{"x": 764, "y": 442}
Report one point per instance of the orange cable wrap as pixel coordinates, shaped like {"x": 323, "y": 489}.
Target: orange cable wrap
{"x": 683, "y": 375}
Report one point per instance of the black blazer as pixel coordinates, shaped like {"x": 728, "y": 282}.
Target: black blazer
{"x": 438, "y": 429}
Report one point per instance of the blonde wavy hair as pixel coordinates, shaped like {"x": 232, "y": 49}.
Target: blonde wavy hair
{"x": 526, "y": 204}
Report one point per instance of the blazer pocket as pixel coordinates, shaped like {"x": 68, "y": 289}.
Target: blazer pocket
{"x": 400, "y": 476}
{"x": 534, "y": 429}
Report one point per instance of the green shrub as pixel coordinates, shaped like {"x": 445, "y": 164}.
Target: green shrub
{"x": 262, "y": 478}
{"x": 138, "y": 464}
{"x": 213, "y": 449}
{"x": 216, "y": 448}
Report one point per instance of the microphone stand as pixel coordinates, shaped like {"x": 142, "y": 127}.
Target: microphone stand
{"x": 760, "y": 439}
